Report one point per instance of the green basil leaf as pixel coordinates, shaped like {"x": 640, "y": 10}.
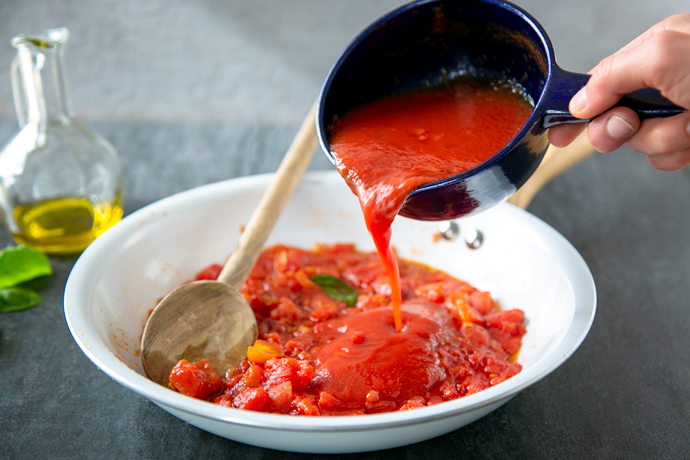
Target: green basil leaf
{"x": 17, "y": 299}
{"x": 336, "y": 289}
{"x": 22, "y": 263}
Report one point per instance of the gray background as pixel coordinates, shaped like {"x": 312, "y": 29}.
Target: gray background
{"x": 192, "y": 92}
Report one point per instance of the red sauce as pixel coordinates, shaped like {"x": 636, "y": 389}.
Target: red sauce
{"x": 389, "y": 147}
{"x": 318, "y": 356}
{"x": 416, "y": 336}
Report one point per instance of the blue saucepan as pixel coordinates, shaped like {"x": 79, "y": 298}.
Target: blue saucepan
{"x": 428, "y": 42}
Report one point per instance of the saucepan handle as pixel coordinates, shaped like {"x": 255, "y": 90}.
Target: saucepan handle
{"x": 562, "y": 86}
{"x": 647, "y": 103}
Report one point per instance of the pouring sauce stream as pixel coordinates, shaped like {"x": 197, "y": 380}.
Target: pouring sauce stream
{"x": 387, "y": 148}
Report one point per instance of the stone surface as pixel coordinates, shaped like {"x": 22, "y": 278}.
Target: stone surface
{"x": 192, "y": 92}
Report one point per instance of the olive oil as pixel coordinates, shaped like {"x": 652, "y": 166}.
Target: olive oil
{"x": 60, "y": 182}
{"x": 64, "y": 225}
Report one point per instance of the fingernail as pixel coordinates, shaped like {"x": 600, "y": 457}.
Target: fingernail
{"x": 618, "y": 128}
{"x": 579, "y": 101}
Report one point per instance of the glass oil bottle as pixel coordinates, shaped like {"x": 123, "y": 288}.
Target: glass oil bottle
{"x": 61, "y": 183}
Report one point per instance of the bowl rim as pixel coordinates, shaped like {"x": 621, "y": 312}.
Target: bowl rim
{"x": 80, "y": 284}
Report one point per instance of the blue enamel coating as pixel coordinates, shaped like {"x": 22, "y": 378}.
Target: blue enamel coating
{"x": 429, "y": 42}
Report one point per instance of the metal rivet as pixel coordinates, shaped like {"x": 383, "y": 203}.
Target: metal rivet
{"x": 474, "y": 239}
{"x": 449, "y": 230}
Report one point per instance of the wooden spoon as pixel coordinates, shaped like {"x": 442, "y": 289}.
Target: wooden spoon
{"x": 211, "y": 319}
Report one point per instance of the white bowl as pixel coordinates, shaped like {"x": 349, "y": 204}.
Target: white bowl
{"x": 523, "y": 262}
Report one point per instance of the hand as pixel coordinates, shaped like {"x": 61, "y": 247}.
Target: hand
{"x": 660, "y": 59}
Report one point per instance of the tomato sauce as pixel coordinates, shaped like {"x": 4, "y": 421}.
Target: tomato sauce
{"x": 319, "y": 354}
{"x": 347, "y": 333}
{"x": 389, "y": 147}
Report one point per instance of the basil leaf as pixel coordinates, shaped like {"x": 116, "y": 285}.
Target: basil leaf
{"x": 22, "y": 263}
{"x": 336, "y": 289}
{"x": 17, "y": 299}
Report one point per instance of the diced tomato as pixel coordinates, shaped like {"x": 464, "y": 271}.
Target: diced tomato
{"x": 280, "y": 397}
{"x": 375, "y": 404}
{"x": 459, "y": 303}
{"x": 223, "y": 400}
{"x": 209, "y": 273}
{"x": 251, "y": 399}
{"x": 477, "y": 335}
{"x": 494, "y": 366}
{"x": 509, "y": 320}
{"x": 413, "y": 403}
{"x": 509, "y": 371}
{"x": 328, "y": 401}
{"x": 513, "y": 345}
{"x": 197, "y": 380}
{"x": 461, "y": 371}
{"x": 304, "y": 280}
{"x": 473, "y": 384}
{"x": 476, "y": 359}
{"x": 432, "y": 292}
{"x": 454, "y": 341}
{"x": 447, "y": 389}
{"x": 434, "y": 400}
{"x": 366, "y": 302}
{"x": 253, "y": 376}
{"x": 325, "y": 311}
{"x": 279, "y": 370}
{"x": 482, "y": 302}
{"x": 363, "y": 275}
{"x": 305, "y": 405}
{"x": 287, "y": 310}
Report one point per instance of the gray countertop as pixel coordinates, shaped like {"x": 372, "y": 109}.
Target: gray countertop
{"x": 193, "y": 92}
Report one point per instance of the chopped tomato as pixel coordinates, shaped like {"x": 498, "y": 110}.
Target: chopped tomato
{"x": 197, "y": 380}
{"x": 317, "y": 356}
{"x": 251, "y": 399}
{"x": 279, "y": 370}
{"x": 280, "y": 397}
{"x": 210, "y": 273}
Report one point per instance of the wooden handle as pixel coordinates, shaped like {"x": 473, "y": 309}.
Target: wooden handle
{"x": 252, "y": 240}
{"x": 554, "y": 163}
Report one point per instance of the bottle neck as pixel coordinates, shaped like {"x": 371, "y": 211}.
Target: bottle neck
{"x": 40, "y": 89}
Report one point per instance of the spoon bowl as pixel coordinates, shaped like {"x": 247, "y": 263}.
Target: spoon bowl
{"x": 226, "y": 322}
{"x": 429, "y": 43}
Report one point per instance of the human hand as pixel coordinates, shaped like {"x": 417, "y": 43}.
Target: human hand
{"x": 660, "y": 59}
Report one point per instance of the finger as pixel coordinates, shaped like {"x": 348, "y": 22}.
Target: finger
{"x": 614, "y": 128}
{"x": 660, "y": 136}
{"x": 562, "y": 135}
{"x": 654, "y": 64}
{"x": 670, "y": 162}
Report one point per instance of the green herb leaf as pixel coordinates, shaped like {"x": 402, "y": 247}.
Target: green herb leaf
{"x": 17, "y": 299}
{"x": 22, "y": 263}
{"x": 336, "y": 289}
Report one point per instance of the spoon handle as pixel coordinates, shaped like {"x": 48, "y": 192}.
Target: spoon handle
{"x": 291, "y": 169}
